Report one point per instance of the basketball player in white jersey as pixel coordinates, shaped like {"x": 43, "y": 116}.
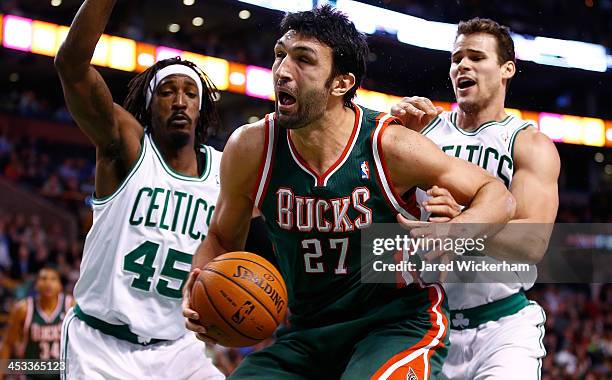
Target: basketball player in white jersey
{"x": 496, "y": 333}
{"x": 155, "y": 192}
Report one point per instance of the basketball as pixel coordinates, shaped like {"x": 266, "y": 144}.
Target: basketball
{"x": 241, "y": 299}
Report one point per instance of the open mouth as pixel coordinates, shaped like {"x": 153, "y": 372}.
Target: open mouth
{"x": 285, "y": 98}
{"x": 464, "y": 83}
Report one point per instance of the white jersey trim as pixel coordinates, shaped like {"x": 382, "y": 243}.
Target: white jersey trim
{"x": 267, "y": 164}
{"x": 386, "y": 186}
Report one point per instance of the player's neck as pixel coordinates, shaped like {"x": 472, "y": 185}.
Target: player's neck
{"x": 321, "y": 143}
{"x": 48, "y": 304}
{"x": 182, "y": 160}
{"x": 469, "y": 121}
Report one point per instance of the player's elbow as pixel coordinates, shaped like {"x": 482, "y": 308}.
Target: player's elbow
{"x": 60, "y": 60}
{"x": 534, "y": 248}
{"x": 510, "y": 208}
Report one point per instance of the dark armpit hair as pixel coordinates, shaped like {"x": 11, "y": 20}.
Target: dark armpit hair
{"x": 334, "y": 29}
{"x": 135, "y": 101}
{"x": 505, "y": 45}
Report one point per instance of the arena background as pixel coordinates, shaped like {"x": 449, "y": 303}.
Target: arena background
{"x": 47, "y": 164}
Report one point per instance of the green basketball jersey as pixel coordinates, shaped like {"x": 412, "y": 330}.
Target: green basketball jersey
{"x": 42, "y": 332}
{"x": 314, "y": 221}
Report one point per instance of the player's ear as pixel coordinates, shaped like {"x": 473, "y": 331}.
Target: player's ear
{"x": 508, "y": 70}
{"x": 342, "y": 84}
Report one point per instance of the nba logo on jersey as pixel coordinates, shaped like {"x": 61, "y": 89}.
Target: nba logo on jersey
{"x": 365, "y": 170}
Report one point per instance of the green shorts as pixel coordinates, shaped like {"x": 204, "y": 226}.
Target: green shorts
{"x": 393, "y": 341}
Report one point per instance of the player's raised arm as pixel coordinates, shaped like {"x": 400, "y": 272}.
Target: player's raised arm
{"x": 114, "y": 131}
{"x": 413, "y": 160}
{"x": 240, "y": 164}
{"x": 87, "y": 96}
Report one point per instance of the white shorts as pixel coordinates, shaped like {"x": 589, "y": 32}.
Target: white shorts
{"x": 510, "y": 348}
{"x": 92, "y": 355}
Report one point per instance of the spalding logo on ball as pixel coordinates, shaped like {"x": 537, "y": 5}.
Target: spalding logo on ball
{"x": 241, "y": 299}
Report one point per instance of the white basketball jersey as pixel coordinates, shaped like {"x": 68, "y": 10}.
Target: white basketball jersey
{"x": 490, "y": 146}
{"x": 138, "y": 252}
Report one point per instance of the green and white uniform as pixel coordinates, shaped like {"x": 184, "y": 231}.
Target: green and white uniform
{"x": 340, "y": 327}
{"x": 136, "y": 259}
{"x": 495, "y": 330}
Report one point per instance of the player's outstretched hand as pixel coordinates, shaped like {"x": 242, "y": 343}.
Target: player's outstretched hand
{"x": 193, "y": 318}
{"x": 441, "y": 205}
{"x": 415, "y": 112}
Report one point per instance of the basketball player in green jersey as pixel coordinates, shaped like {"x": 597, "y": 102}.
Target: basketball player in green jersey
{"x": 35, "y": 323}
{"x": 321, "y": 169}
{"x": 496, "y": 333}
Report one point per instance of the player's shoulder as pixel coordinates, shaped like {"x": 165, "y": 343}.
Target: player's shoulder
{"x": 249, "y": 140}
{"x": 376, "y": 117}
{"x": 20, "y": 309}
{"x": 530, "y": 144}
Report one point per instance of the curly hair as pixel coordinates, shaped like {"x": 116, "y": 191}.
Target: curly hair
{"x": 135, "y": 101}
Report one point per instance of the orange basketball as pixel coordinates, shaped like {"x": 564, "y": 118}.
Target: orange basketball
{"x": 241, "y": 299}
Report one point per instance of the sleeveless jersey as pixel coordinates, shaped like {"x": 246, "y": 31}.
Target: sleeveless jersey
{"x": 41, "y": 331}
{"x": 314, "y": 221}
{"x": 491, "y": 147}
{"x": 138, "y": 252}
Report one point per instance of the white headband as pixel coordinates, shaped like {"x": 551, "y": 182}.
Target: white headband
{"x": 173, "y": 70}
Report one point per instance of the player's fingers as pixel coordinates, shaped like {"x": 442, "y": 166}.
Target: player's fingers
{"x": 439, "y": 219}
{"x": 412, "y": 109}
{"x": 190, "y": 313}
{"x": 193, "y": 275}
{"x": 439, "y": 109}
{"x": 397, "y": 110}
{"x": 435, "y": 191}
{"x": 187, "y": 311}
{"x": 442, "y": 200}
{"x": 195, "y": 326}
{"x": 442, "y": 210}
{"x": 206, "y": 339}
{"x": 425, "y": 105}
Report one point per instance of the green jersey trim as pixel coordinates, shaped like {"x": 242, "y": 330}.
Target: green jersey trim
{"x": 432, "y": 124}
{"x": 513, "y": 138}
{"x": 135, "y": 166}
{"x": 176, "y": 174}
{"x": 503, "y": 122}
{"x": 64, "y": 340}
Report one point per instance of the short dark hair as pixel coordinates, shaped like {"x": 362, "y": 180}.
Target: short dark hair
{"x": 135, "y": 101}
{"x": 505, "y": 45}
{"x": 334, "y": 29}
{"x": 52, "y": 267}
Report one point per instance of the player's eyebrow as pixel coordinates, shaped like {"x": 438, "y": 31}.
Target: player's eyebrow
{"x": 468, "y": 50}
{"x": 302, "y": 48}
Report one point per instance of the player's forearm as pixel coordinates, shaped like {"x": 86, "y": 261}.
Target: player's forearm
{"x": 492, "y": 204}
{"x": 74, "y": 56}
{"x": 210, "y": 248}
{"x": 521, "y": 240}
